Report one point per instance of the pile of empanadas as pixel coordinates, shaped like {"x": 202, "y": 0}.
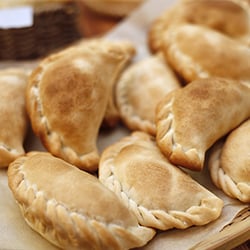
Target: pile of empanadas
{"x": 188, "y": 98}
{"x": 206, "y": 43}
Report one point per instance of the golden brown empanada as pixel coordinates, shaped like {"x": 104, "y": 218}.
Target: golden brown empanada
{"x": 230, "y": 17}
{"x": 67, "y": 97}
{"x": 70, "y": 207}
{"x": 196, "y": 52}
{"x": 191, "y": 119}
{"x": 229, "y": 163}
{"x": 139, "y": 89}
{"x": 160, "y": 194}
{"x": 14, "y": 119}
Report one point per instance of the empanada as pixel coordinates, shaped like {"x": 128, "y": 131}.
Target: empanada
{"x": 230, "y": 17}
{"x": 229, "y": 163}
{"x": 160, "y": 194}
{"x": 139, "y": 89}
{"x": 14, "y": 119}
{"x": 196, "y": 52}
{"x": 191, "y": 119}
{"x": 70, "y": 207}
{"x": 67, "y": 97}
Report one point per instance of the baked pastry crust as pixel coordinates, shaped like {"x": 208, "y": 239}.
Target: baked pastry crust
{"x": 183, "y": 47}
{"x": 160, "y": 194}
{"x": 150, "y": 79}
{"x": 218, "y": 59}
{"x": 230, "y": 17}
{"x": 191, "y": 119}
{"x": 70, "y": 207}
{"x": 14, "y": 119}
{"x": 67, "y": 97}
{"x": 229, "y": 163}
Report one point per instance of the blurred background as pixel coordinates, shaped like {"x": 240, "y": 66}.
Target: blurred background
{"x": 30, "y": 29}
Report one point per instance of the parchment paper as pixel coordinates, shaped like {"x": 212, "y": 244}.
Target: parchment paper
{"x": 15, "y": 234}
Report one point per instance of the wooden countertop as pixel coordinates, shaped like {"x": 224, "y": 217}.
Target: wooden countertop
{"x": 93, "y": 24}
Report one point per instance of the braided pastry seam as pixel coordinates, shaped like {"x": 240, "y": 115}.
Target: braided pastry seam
{"x": 73, "y": 224}
{"x": 166, "y": 136}
{"x": 153, "y": 218}
{"x": 228, "y": 186}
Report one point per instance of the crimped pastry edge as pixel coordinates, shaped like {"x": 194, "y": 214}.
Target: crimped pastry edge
{"x": 163, "y": 23}
{"x": 223, "y": 181}
{"x": 69, "y": 234}
{"x": 187, "y": 157}
{"x": 51, "y": 139}
{"x": 183, "y": 64}
{"x": 9, "y": 153}
{"x": 127, "y": 111}
{"x": 158, "y": 219}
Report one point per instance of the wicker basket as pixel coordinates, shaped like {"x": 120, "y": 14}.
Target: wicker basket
{"x": 55, "y": 25}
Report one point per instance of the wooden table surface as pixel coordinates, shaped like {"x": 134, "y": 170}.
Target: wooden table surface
{"x": 93, "y": 24}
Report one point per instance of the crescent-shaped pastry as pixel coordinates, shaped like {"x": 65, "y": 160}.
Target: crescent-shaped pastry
{"x": 150, "y": 79}
{"x": 14, "y": 119}
{"x": 68, "y": 94}
{"x": 196, "y": 52}
{"x": 229, "y": 163}
{"x": 160, "y": 194}
{"x": 230, "y": 17}
{"x": 70, "y": 207}
{"x": 191, "y": 119}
